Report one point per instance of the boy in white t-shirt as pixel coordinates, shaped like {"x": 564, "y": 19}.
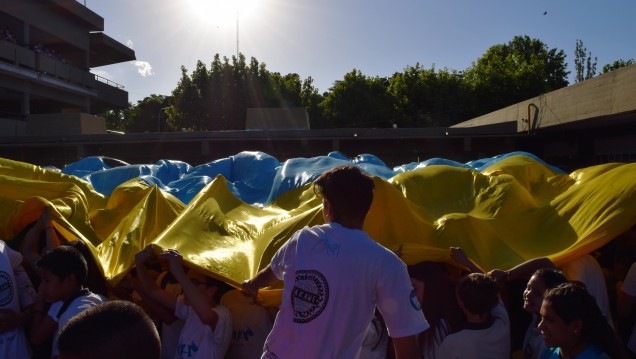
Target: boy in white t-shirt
{"x": 207, "y": 331}
{"x": 487, "y": 330}
{"x": 335, "y": 276}
{"x": 63, "y": 272}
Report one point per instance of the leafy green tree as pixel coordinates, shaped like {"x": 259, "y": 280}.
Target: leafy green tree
{"x": 617, "y": 65}
{"x": 426, "y": 97}
{"x": 148, "y": 115}
{"x": 311, "y": 99}
{"x": 119, "y": 119}
{"x": 358, "y": 101}
{"x": 217, "y": 99}
{"x": 583, "y": 64}
{"x": 508, "y": 73}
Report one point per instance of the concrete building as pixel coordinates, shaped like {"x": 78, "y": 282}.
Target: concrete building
{"x": 47, "y": 50}
{"x": 590, "y": 122}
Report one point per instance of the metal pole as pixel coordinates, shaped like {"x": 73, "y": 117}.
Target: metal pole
{"x": 237, "y": 35}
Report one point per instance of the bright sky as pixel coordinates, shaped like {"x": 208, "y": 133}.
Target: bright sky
{"x": 326, "y": 39}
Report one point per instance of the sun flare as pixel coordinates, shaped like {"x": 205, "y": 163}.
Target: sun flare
{"x": 221, "y": 12}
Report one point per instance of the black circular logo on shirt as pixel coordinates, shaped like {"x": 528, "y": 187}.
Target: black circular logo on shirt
{"x": 309, "y": 296}
{"x": 6, "y": 289}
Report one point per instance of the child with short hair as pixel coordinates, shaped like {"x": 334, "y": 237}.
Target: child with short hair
{"x": 487, "y": 331}
{"x": 63, "y": 272}
{"x": 207, "y": 331}
{"x": 114, "y": 329}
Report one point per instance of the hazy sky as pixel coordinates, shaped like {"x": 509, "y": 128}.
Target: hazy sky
{"x": 328, "y": 38}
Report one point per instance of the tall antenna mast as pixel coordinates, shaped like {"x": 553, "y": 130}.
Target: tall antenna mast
{"x": 237, "y": 35}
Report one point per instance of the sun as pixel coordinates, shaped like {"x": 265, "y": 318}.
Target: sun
{"x": 221, "y": 12}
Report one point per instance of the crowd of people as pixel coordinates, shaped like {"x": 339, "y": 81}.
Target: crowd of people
{"x": 9, "y": 34}
{"x": 344, "y": 296}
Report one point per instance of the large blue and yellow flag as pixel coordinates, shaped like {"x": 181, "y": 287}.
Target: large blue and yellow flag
{"x": 228, "y": 217}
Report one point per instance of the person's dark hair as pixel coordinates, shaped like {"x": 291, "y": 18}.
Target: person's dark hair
{"x": 571, "y": 302}
{"x": 479, "y": 293}
{"x": 95, "y": 280}
{"x": 551, "y": 278}
{"x": 221, "y": 286}
{"x": 64, "y": 261}
{"x": 348, "y": 189}
{"x": 113, "y": 329}
{"x": 439, "y": 302}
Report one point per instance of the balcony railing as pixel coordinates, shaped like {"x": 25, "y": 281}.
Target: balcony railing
{"x": 108, "y": 82}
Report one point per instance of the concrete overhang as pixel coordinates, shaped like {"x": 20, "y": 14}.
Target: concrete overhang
{"x": 81, "y": 14}
{"x": 105, "y": 50}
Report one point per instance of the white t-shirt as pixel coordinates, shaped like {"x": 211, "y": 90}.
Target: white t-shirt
{"x": 492, "y": 342}
{"x": 197, "y": 340}
{"x": 629, "y": 288}
{"x": 76, "y": 306}
{"x": 586, "y": 269}
{"x": 334, "y": 278}
{"x": 251, "y": 323}
{"x": 13, "y": 343}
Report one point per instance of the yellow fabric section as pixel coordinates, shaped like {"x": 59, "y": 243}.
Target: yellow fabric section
{"x": 515, "y": 210}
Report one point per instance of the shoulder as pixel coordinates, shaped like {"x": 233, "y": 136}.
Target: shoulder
{"x": 90, "y": 299}
{"x": 454, "y": 344}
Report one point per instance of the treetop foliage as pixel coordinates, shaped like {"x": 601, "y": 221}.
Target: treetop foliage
{"x": 216, "y": 97}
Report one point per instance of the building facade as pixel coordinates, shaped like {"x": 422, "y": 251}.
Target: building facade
{"x": 47, "y": 51}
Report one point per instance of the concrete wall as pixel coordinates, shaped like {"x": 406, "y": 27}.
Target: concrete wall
{"x": 605, "y": 95}
{"x": 65, "y": 124}
{"x": 289, "y": 118}
{"x": 12, "y": 127}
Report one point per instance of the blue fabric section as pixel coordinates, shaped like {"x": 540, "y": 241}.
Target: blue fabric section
{"x": 254, "y": 177}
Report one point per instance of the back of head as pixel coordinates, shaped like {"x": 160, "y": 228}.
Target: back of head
{"x": 551, "y": 278}
{"x": 573, "y": 302}
{"x": 64, "y": 261}
{"x": 94, "y": 279}
{"x": 113, "y": 329}
{"x": 478, "y": 292}
{"x": 348, "y": 189}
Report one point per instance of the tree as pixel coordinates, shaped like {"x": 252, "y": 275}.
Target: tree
{"x": 218, "y": 99}
{"x": 585, "y": 68}
{"x": 426, "y": 97}
{"x": 617, "y": 65}
{"x": 119, "y": 119}
{"x": 508, "y": 73}
{"x": 311, "y": 99}
{"x": 148, "y": 115}
{"x": 358, "y": 101}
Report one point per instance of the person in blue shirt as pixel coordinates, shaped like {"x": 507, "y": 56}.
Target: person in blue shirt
{"x": 574, "y": 327}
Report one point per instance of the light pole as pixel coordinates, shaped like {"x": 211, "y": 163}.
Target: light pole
{"x": 237, "y": 34}
{"x": 159, "y": 117}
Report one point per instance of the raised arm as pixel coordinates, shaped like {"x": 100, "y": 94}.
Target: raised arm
{"x": 459, "y": 255}
{"x": 521, "y": 271}
{"x": 149, "y": 288}
{"x": 29, "y": 247}
{"x": 264, "y": 278}
{"x": 199, "y": 303}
